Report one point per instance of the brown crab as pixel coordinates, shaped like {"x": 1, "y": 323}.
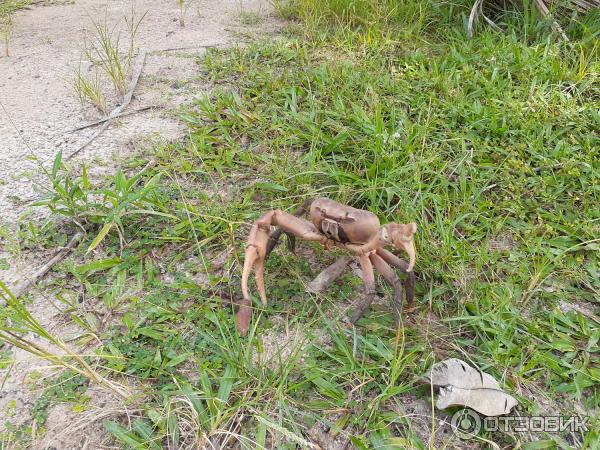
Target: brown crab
{"x": 333, "y": 223}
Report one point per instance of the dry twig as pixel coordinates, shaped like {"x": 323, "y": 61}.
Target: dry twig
{"x": 104, "y": 119}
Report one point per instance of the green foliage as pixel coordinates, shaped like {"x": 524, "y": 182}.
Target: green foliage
{"x": 107, "y": 51}
{"x": 68, "y": 387}
{"x": 375, "y": 16}
{"x": 5, "y": 358}
{"x": 88, "y": 89}
{"x": 111, "y": 53}
{"x": 77, "y": 199}
{"x": 18, "y": 326}
{"x": 483, "y": 141}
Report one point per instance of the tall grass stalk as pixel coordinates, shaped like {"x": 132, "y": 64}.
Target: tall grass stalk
{"x": 7, "y": 8}
{"x": 183, "y": 7}
{"x": 106, "y": 50}
{"x": 133, "y": 26}
{"x": 89, "y": 90}
{"x": 16, "y": 320}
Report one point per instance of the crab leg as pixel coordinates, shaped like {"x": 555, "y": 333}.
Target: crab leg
{"x": 274, "y": 237}
{"x": 328, "y": 275}
{"x": 409, "y": 284}
{"x": 257, "y": 251}
{"x": 369, "y": 280}
{"x": 392, "y": 259}
{"x": 390, "y": 276}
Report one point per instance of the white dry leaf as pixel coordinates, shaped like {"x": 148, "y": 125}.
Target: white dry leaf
{"x": 463, "y": 385}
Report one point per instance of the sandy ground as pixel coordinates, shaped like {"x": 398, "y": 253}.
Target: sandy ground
{"x": 40, "y": 108}
{"x": 46, "y": 49}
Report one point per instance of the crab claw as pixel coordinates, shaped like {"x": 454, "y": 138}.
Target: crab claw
{"x": 402, "y": 237}
{"x": 253, "y": 260}
{"x": 257, "y": 251}
{"x": 409, "y": 248}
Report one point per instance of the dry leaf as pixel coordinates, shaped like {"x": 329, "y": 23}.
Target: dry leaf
{"x": 462, "y": 385}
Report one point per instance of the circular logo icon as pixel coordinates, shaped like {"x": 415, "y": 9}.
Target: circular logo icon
{"x": 465, "y": 423}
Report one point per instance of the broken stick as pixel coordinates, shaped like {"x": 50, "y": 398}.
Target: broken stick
{"x": 104, "y": 119}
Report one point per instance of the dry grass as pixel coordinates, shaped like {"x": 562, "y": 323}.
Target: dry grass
{"x": 558, "y": 12}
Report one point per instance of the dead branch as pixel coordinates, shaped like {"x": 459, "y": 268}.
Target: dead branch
{"x": 104, "y": 119}
{"x": 175, "y": 49}
{"x": 475, "y": 11}
{"x": 541, "y": 6}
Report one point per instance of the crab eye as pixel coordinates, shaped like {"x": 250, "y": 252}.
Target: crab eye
{"x": 384, "y": 235}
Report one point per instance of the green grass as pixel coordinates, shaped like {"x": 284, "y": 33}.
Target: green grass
{"x": 67, "y": 387}
{"x": 88, "y": 90}
{"x": 110, "y": 56}
{"x": 489, "y": 144}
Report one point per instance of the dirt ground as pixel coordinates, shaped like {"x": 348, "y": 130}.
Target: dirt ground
{"x": 40, "y": 108}
{"x": 46, "y": 49}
